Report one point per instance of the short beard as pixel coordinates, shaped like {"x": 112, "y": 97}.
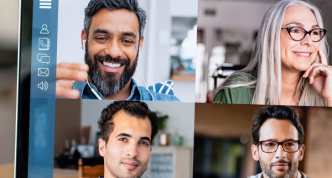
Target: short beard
{"x": 267, "y": 169}
{"x": 109, "y": 84}
{"x": 115, "y": 171}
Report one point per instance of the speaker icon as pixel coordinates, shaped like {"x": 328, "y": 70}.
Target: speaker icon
{"x": 43, "y": 86}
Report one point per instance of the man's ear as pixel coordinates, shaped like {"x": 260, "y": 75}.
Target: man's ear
{"x": 150, "y": 148}
{"x": 83, "y": 37}
{"x": 141, "y": 42}
{"x": 254, "y": 152}
{"x": 301, "y": 152}
{"x": 102, "y": 147}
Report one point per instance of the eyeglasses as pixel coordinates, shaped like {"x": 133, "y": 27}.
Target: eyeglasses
{"x": 290, "y": 146}
{"x": 299, "y": 33}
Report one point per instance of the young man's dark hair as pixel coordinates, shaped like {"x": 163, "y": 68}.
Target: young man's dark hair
{"x": 132, "y": 5}
{"x": 279, "y": 113}
{"x": 137, "y": 109}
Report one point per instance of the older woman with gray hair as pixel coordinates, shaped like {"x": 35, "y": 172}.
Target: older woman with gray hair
{"x": 289, "y": 64}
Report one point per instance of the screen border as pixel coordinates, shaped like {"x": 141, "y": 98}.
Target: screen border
{"x": 23, "y": 89}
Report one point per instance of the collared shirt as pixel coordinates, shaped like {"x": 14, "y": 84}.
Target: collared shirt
{"x": 137, "y": 93}
{"x": 299, "y": 175}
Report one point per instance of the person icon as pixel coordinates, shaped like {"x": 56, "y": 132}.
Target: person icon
{"x": 44, "y": 29}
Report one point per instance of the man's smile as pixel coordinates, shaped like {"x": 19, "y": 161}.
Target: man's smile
{"x": 111, "y": 66}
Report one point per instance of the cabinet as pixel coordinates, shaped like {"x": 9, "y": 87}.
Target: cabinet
{"x": 169, "y": 162}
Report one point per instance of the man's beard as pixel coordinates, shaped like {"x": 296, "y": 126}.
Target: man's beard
{"x": 117, "y": 172}
{"x": 267, "y": 168}
{"x": 108, "y": 83}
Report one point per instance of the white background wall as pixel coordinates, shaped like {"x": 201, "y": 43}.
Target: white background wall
{"x": 184, "y": 8}
{"x": 181, "y": 117}
{"x": 154, "y": 62}
{"x": 70, "y": 25}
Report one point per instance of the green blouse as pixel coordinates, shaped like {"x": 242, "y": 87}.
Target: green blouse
{"x": 238, "y": 95}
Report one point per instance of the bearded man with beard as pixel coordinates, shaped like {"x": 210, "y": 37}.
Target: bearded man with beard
{"x": 112, "y": 38}
{"x": 278, "y": 142}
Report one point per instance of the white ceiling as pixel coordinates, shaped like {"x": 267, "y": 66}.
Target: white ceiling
{"x": 9, "y": 21}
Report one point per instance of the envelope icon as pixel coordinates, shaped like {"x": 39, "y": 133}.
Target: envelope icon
{"x": 43, "y": 72}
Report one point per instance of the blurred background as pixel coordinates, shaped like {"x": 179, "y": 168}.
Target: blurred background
{"x": 223, "y": 141}
{"x": 226, "y": 34}
{"x": 9, "y": 20}
{"x": 77, "y": 135}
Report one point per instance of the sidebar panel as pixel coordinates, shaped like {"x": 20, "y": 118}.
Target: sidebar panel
{"x": 42, "y": 98}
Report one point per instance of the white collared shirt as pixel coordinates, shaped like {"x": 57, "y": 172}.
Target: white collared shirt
{"x": 299, "y": 174}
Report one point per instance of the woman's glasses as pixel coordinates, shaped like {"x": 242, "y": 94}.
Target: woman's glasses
{"x": 299, "y": 33}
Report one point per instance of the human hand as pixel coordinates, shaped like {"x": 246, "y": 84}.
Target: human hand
{"x": 65, "y": 74}
{"x": 320, "y": 77}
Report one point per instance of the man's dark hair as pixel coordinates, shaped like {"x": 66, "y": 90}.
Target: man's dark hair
{"x": 276, "y": 112}
{"x": 137, "y": 109}
{"x": 132, "y": 5}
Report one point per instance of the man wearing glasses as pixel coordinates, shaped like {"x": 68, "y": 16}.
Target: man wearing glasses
{"x": 278, "y": 142}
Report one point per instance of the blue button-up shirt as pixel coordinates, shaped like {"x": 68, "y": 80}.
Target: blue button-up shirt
{"x": 137, "y": 93}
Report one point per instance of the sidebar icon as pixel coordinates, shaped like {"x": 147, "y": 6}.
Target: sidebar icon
{"x": 45, "y": 4}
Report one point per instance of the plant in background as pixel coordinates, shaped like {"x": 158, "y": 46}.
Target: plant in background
{"x": 162, "y": 120}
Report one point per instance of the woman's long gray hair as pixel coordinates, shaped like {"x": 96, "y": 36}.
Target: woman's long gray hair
{"x": 266, "y": 61}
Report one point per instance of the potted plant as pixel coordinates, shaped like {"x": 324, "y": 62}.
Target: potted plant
{"x": 163, "y": 138}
